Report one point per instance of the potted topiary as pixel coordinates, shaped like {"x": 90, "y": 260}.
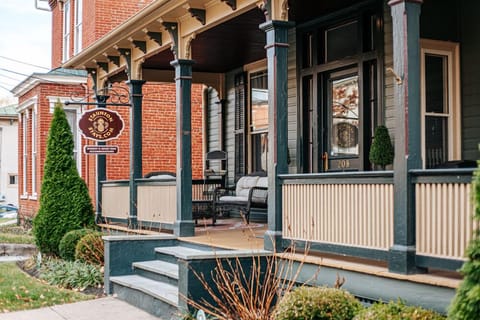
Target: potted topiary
{"x": 381, "y": 151}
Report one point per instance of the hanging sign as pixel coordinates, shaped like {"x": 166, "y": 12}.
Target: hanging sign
{"x": 101, "y": 124}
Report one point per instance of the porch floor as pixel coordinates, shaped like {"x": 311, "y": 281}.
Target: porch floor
{"x": 235, "y": 234}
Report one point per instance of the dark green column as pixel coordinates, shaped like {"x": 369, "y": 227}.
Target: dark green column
{"x": 101, "y": 166}
{"x": 136, "y": 98}
{"x": 184, "y": 225}
{"x": 277, "y": 54}
{"x": 406, "y": 63}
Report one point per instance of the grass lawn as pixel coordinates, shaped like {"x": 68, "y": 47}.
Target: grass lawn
{"x": 15, "y": 234}
{"x": 19, "y": 291}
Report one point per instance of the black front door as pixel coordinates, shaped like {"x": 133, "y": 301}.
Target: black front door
{"x": 343, "y": 127}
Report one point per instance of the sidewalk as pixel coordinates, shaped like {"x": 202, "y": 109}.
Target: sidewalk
{"x": 108, "y": 308}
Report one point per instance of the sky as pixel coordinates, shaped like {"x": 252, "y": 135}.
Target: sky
{"x": 25, "y": 36}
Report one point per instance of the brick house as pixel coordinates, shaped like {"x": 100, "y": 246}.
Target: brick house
{"x": 75, "y": 27}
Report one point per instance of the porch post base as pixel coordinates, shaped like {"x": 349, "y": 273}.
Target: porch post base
{"x": 402, "y": 260}
{"x": 184, "y": 228}
{"x": 273, "y": 241}
{"x": 132, "y": 222}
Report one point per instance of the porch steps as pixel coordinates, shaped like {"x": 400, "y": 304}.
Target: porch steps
{"x": 153, "y": 286}
{"x": 155, "y": 297}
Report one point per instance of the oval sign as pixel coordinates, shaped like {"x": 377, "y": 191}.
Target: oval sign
{"x": 101, "y": 124}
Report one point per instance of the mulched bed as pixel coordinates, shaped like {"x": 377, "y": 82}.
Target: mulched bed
{"x": 30, "y": 268}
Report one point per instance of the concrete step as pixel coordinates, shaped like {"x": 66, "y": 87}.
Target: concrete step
{"x": 158, "y": 270}
{"x": 171, "y": 254}
{"x": 157, "y": 298}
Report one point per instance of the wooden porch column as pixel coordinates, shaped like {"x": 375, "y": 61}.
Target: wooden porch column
{"x": 277, "y": 55}
{"x": 184, "y": 225}
{"x": 406, "y": 62}
{"x": 136, "y": 98}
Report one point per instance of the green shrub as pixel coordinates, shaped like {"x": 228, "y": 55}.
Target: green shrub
{"x": 466, "y": 304}
{"x": 90, "y": 249}
{"x": 396, "y": 311}
{"x": 381, "y": 151}
{"x": 317, "y": 303}
{"x": 67, "y": 245}
{"x": 71, "y": 274}
{"x": 65, "y": 203}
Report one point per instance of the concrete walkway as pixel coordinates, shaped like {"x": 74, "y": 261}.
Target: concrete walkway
{"x": 108, "y": 308}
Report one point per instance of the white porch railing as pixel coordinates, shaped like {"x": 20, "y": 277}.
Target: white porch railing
{"x": 444, "y": 212}
{"x": 348, "y": 212}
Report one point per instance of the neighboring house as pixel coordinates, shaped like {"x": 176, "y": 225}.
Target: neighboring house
{"x": 327, "y": 73}
{"x": 8, "y": 155}
{"x": 74, "y": 28}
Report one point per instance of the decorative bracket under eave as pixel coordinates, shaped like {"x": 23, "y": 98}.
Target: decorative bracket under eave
{"x": 155, "y": 36}
{"x": 127, "y": 54}
{"x": 114, "y": 60}
{"x": 103, "y": 66}
{"x": 231, "y": 3}
{"x": 141, "y": 45}
{"x": 172, "y": 29}
{"x": 199, "y": 14}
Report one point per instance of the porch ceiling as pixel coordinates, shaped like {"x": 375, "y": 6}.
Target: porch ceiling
{"x": 229, "y": 45}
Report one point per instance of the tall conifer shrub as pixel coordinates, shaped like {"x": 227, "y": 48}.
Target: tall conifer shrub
{"x": 65, "y": 203}
{"x": 466, "y": 304}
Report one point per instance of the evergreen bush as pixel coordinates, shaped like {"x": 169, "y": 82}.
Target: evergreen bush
{"x": 381, "y": 151}
{"x": 65, "y": 203}
{"x": 396, "y": 311}
{"x": 317, "y": 303}
{"x": 69, "y": 242}
{"x": 466, "y": 304}
{"x": 90, "y": 249}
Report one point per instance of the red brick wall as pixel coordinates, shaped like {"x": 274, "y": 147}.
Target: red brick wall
{"x": 158, "y": 134}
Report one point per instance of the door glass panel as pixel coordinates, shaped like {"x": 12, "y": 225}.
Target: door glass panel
{"x": 344, "y": 126}
{"x": 259, "y": 151}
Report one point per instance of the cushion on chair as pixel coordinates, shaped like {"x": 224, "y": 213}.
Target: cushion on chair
{"x": 262, "y": 182}
{"x": 244, "y": 184}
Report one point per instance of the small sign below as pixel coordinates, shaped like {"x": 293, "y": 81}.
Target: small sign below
{"x": 100, "y": 149}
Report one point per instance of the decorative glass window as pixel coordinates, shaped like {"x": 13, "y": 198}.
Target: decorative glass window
{"x": 77, "y": 46}
{"x": 66, "y": 30}
{"x": 342, "y": 41}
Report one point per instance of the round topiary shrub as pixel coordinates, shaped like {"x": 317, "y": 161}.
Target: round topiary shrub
{"x": 90, "y": 249}
{"x": 67, "y": 245}
{"x": 317, "y": 303}
{"x": 396, "y": 311}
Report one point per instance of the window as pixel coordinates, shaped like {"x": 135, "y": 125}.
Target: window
{"x": 440, "y": 101}
{"x": 72, "y": 118}
{"x": 259, "y": 120}
{"x": 77, "y": 46}
{"x": 66, "y": 30}
{"x": 12, "y": 179}
{"x": 34, "y": 152}
{"x": 24, "y": 119}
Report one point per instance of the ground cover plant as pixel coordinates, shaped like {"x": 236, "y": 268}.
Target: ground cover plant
{"x": 71, "y": 274}
{"x": 18, "y": 291}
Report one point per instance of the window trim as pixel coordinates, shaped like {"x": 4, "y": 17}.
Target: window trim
{"x": 254, "y": 67}
{"x": 15, "y": 177}
{"x": 33, "y": 149}
{"x": 66, "y": 30}
{"x": 79, "y": 110}
{"x": 452, "y": 51}
{"x": 78, "y": 27}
